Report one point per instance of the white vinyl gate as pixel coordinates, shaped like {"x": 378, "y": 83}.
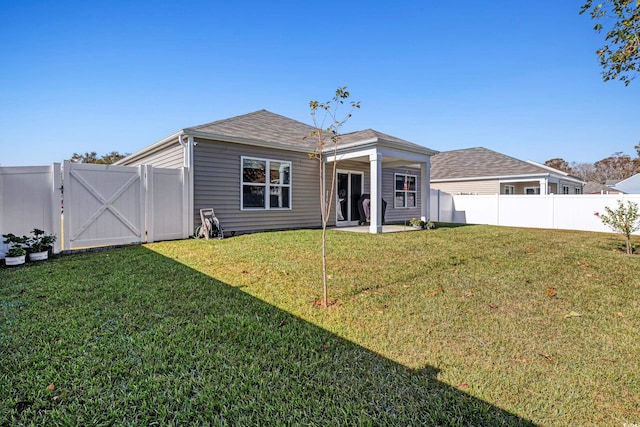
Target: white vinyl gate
{"x": 112, "y": 205}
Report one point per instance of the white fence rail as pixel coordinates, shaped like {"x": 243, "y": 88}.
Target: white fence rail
{"x": 103, "y": 204}
{"x": 568, "y": 212}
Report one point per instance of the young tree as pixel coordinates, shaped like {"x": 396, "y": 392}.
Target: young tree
{"x": 327, "y": 135}
{"x": 620, "y": 56}
{"x": 623, "y": 220}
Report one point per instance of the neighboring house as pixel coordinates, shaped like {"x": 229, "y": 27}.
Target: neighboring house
{"x": 483, "y": 171}
{"x": 597, "y": 188}
{"x": 630, "y": 185}
{"x": 255, "y": 171}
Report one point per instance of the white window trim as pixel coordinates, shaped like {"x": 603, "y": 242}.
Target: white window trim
{"x": 511, "y": 188}
{"x": 266, "y": 184}
{"x": 405, "y": 192}
{"x": 566, "y": 189}
{"x": 536, "y": 190}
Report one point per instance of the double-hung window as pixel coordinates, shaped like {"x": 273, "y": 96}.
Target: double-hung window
{"x": 266, "y": 184}
{"x": 531, "y": 190}
{"x": 405, "y": 191}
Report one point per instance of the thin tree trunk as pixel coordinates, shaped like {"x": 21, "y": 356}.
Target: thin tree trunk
{"x": 326, "y": 198}
{"x": 324, "y": 215}
{"x": 324, "y": 267}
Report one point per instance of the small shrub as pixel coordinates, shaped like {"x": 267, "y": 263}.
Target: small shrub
{"x": 39, "y": 241}
{"x": 624, "y": 220}
{"x": 16, "y": 244}
{"x": 416, "y": 222}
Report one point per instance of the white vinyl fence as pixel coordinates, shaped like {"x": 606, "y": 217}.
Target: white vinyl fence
{"x": 103, "y": 204}
{"x": 554, "y": 211}
{"x": 29, "y": 197}
{"x": 109, "y": 205}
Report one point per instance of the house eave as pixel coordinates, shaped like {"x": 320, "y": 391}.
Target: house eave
{"x": 508, "y": 178}
{"x": 163, "y": 143}
{"x": 350, "y": 147}
{"x": 379, "y": 142}
{"x": 247, "y": 141}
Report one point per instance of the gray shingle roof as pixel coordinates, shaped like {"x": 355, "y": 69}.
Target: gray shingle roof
{"x": 269, "y": 127}
{"x": 264, "y": 128}
{"x": 369, "y": 134}
{"x": 479, "y": 162}
{"x": 260, "y": 125}
{"x": 597, "y": 188}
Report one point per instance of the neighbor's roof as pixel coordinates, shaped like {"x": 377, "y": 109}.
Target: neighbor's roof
{"x": 629, "y": 185}
{"x": 597, "y": 188}
{"x": 480, "y": 162}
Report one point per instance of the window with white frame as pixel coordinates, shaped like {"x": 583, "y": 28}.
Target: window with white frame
{"x": 405, "y": 191}
{"x": 509, "y": 189}
{"x": 532, "y": 190}
{"x": 266, "y": 184}
{"x": 565, "y": 189}
{"x": 578, "y": 190}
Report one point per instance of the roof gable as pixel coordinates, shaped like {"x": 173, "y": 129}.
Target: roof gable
{"x": 261, "y": 125}
{"x": 266, "y": 129}
{"x": 374, "y": 135}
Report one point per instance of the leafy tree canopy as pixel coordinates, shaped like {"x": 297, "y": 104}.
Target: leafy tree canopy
{"x": 92, "y": 157}
{"x": 559, "y": 164}
{"x": 617, "y": 166}
{"x": 620, "y": 19}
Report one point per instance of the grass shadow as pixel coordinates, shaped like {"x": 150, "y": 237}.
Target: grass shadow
{"x": 129, "y": 337}
{"x": 452, "y": 224}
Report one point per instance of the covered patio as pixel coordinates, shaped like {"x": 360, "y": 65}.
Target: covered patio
{"x": 375, "y": 152}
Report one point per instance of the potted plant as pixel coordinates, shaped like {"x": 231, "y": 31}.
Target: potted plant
{"x": 39, "y": 244}
{"x": 429, "y": 225}
{"x": 17, "y": 253}
{"x": 416, "y": 223}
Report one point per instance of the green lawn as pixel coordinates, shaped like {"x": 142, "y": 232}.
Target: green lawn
{"x": 472, "y": 325}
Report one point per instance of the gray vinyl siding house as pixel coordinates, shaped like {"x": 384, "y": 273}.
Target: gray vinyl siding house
{"x": 223, "y": 158}
{"x": 482, "y": 171}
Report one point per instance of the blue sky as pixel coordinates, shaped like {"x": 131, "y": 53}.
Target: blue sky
{"x": 514, "y": 76}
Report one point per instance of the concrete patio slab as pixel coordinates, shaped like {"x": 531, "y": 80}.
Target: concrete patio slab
{"x": 385, "y": 228}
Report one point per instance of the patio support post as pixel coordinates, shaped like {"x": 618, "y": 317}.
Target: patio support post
{"x": 543, "y": 186}
{"x": 375, "y": 166}
{"x": 425, "y": 193}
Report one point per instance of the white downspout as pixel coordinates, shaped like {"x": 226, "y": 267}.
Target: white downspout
{"x": 188, "y": 164}
{"x": 187, "y": 151}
